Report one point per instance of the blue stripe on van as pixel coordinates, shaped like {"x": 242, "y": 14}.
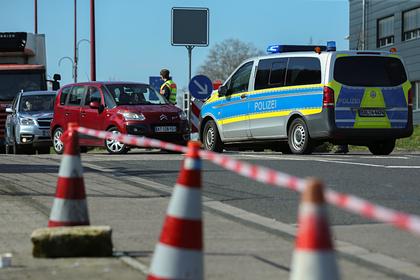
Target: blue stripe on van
{"x": 350, "y": 97}
{"x": 397, "y": 115}
{"x": 394, "y": 97}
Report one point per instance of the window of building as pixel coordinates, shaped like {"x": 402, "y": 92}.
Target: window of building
{"x": 385, "y": 31}
{"x": 411, "y": 24}
{"x": 416, "y": 91}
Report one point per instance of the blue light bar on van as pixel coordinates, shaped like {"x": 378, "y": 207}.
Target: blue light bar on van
{"x": 331, "y": 47}
{"x": 292, "y": 48}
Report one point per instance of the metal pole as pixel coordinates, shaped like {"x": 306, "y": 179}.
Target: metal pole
{"x": 36, "y": 16}
{"x": 92, "y": 42}
{"x": 75, "y": 42}
{"x": 189, "y": 48}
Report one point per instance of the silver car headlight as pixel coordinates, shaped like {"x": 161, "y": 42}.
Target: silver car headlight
{"x": 130, "y": 116}
{"x": 26, "y": 121}
{"x": 182, "y": 115}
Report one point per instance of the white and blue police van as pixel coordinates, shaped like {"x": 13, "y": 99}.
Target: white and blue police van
{"x": 298, "y": 97}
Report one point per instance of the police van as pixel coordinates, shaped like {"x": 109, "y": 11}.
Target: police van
{"x": 298, "y": 97}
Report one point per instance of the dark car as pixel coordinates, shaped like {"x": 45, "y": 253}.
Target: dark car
{"x": 28, "y": 122}
{"x": 118, "y": 107}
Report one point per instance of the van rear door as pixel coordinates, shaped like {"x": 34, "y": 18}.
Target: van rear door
{"x": 371, "y": 91}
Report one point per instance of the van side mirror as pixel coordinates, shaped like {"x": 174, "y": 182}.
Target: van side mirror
{"x": 222, "y": 91}
{"x": 55, "y": 82}
{"x": 94, "y": 105}
{"x": 57, "y": 77}
{"x": 9, "y": 110}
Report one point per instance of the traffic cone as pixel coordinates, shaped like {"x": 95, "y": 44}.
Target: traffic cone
{"x": 70, "y": 206}
{"x": 314, "y": 256}
{"x": 179, "y": 253}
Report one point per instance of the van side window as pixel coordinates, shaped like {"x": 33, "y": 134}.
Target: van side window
{"x": 76, "y": 96}
{"x": 109, "y": 101}
{"x": 240, "y": 80}
{"x": 64, "y": 93}
{"x": 92, "y": 95}
{"x": 271, "y": 73}
{"x": 303, "y": 71}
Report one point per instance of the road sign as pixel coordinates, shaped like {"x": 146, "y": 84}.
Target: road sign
{"x": 200, "y": 87}
{"x": 190, "y": 27}
{"x": 155, "y": 82}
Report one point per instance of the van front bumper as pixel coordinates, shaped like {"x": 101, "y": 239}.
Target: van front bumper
{"x": 28, "y": 134}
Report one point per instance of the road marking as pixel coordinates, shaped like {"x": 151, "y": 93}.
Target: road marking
{"x": 387, "y": 262}
{"x": 335, "y": 161}
{"x": 135, "y": 264}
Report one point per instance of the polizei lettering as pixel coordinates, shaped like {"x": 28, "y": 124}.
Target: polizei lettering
{"x": 265, "y": 105}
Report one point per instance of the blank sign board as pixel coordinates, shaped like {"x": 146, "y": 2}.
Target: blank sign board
{"x": 190, "y": 27}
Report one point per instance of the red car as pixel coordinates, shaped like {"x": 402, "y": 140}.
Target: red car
{"x": 119, "y": 107}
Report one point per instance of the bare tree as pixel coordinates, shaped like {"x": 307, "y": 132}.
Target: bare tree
{"x": 224, "y": 57}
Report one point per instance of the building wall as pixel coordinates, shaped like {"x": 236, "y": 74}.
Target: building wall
{"x": 409, "y": 50}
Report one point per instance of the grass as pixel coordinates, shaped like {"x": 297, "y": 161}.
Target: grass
{"x": 411, "y": 143}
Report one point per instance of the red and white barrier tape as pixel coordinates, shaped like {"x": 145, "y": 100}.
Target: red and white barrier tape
{"x": 269, "y": 176}
{"x": 133, "y": 140}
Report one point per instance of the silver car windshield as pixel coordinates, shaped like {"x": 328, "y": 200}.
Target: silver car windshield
{"x": 135, "y": 94}
{"x": 37, "y": 103}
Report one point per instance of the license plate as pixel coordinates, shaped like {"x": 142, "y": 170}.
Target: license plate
{"x": 371, "y": 112}
{"x": 165, "y": 128}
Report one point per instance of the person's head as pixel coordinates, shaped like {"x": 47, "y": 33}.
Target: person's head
{"x": 164, "y": 74}
{"x": 28, "y": 105}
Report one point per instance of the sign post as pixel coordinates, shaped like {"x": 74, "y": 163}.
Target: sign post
{"x": 190, "y": 28}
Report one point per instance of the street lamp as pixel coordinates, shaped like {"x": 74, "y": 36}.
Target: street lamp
{"x": 76, "y": 57}
{"x": 72, "y": 63}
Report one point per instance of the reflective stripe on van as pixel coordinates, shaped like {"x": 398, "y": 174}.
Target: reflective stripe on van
{"x": 370, "y": 107}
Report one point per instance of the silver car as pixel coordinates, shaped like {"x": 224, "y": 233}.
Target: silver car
{"x": 28, "y": 122}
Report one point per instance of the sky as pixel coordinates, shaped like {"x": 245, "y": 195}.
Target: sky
{"x": 133, "y": 37}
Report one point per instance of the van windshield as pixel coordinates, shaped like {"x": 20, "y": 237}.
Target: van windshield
{"x": 369, "y": 71}
{"x": 37, "y": 103}
{"x": 135, "y": 94}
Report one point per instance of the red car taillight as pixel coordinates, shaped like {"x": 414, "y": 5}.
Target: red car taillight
{"x": 410, "y": 97}
{"x": 328, "y": 98}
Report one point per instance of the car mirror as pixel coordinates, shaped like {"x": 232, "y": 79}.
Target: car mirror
{"x": 9, "y": 110}
{"x": 222, "y": 91}
{"x": 94, "y": 105}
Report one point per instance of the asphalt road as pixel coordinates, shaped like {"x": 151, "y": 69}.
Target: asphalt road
{"x": 247, "y": 207}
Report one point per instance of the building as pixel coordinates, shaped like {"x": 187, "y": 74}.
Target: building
{"x": 383, "y": 24}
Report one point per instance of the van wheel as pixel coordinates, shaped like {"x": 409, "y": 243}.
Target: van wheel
{"x": 211, "y": 138}
{"x": 113, "y": 146}
{"x": 382, "y": 148}
{"x": 298, "y": 138}
{"x": 58, "y": 145}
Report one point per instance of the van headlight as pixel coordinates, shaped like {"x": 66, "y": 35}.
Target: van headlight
{"x": 131, "y": 116}
{"x": 182, "y": 115}
{"x": 26, "y": 121}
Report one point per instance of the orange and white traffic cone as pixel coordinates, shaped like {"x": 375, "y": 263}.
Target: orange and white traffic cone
{"x": 70, "y": 206}
{"x": 179, "y": 253}
{"x": 314, "y": 256}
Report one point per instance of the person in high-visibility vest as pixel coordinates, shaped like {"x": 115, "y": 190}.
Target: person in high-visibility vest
{"x": 168, "y": 88}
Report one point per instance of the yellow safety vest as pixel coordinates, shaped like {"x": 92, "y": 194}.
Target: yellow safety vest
{"x": 172, "y": 86}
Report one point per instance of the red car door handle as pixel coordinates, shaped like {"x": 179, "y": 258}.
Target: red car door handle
{"x": 67, "y": 114}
